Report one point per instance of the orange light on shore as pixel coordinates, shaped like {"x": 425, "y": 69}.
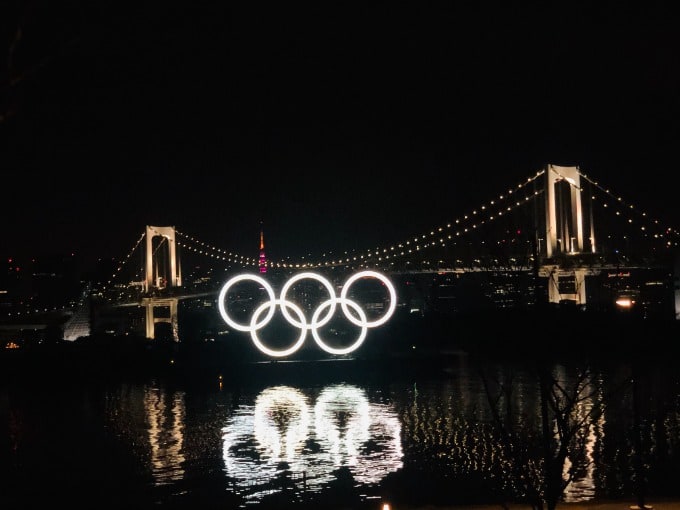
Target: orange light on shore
{"x": 624, "y": 302}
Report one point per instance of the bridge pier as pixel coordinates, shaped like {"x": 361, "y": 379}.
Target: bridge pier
{"x": 170, "y": 304}
{"x": 575, "y": 283}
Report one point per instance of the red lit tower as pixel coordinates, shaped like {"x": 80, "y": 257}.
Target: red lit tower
{"x": 263, "y": 260}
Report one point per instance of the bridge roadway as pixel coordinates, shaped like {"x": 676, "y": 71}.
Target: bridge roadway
{"x": 163, "y": 300}
{"x": 169, "y": 299}
{"x": 554, "y": 270}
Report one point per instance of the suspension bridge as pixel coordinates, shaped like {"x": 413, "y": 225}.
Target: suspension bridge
{"x": 558, "y": 227}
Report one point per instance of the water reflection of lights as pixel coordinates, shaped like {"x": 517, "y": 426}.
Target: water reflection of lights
{"x": 281, "y": 409}
{"x": 275, "y": 436}
{"x": 166, "y": 434}
{"x": 582, "y": 486}
{"x": 342, "y": 411}
{"x": 348, "y": 425}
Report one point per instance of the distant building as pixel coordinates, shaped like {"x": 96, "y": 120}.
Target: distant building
{"x": 263, "y": 259}
{"x": 79, "y": 323}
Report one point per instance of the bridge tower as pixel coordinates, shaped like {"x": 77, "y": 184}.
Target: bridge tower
{"x": 564, "y": 221}
{"x": 564, "y": 232}
{"x": 172, "y": 276}
{"x": 159, "y": 278}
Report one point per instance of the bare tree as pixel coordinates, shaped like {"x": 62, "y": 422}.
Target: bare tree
{"x": 536, "y": 449}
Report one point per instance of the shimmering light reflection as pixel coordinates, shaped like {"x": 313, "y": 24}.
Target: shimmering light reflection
{"x": 165, "y": 418}
{"x": 341, "y": 423}
{"x": 582, "y": 487}
{"x": 348, "y": 431}
{"x": 281, "y": 424}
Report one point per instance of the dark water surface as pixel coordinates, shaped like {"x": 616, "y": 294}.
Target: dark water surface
{"x": 346, "y": 432}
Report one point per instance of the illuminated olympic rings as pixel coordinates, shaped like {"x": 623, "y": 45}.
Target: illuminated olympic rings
{"x": 297, "y": 318}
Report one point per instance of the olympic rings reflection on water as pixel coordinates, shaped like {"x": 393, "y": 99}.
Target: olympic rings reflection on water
{"x": 314, "y": 434}
{"x": 357, "y": 318}
{"x": 274, "y": 444}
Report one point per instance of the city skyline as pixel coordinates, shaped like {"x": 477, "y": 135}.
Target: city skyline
{"x": 332, "y": 129}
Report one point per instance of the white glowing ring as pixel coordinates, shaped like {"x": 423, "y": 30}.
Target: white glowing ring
{"x": 272, "y": 306}
{"x": 390, "y": 288}
{"x": 316, "y": 321}
{"x": 225, "y": 289}
{"x": 331, "y": 291}
{"x": 331, "y": 303}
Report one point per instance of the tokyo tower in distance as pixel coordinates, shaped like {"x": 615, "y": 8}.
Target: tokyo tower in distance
{"x": 262, "y": 262}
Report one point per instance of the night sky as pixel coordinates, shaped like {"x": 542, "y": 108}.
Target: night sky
{"x": 334, "y": 125}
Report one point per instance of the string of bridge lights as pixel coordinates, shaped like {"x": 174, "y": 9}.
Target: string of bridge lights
{"x": 482, "y": 215}
{"x": 625, "y": 208}
{"x": 125, "y": 260}
{"x": 214, "y": 252}
{"x": 437, "y": 237}
{"x": 115, "y": 274}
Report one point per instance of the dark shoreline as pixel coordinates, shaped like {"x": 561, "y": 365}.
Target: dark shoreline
{"x": 405, "y": 346}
